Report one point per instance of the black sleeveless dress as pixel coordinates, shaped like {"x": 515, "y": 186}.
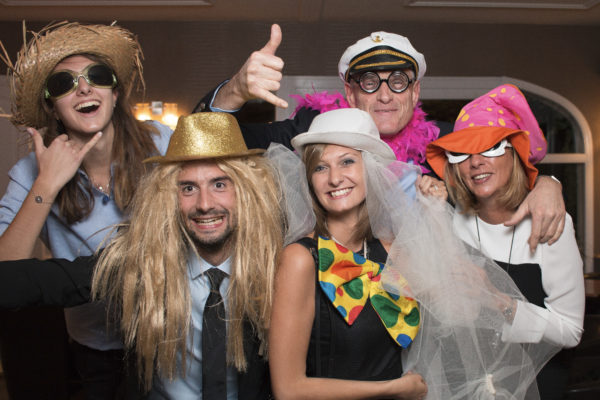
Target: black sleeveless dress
{"x": 361, "y": 351}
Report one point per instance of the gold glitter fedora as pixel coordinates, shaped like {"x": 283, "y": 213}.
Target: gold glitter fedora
{"x": 205, "y": 135}
{"x": 115, "y": 46}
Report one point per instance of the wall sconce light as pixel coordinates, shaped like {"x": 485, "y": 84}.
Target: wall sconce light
{"x": 170, "y": 115}
{"x": 142, "y": 111}
{"x": 165, "y": 113}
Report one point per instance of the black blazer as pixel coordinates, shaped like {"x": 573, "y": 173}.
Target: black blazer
{"x": 260, "y": 136}
{"x": 67, "y": 283}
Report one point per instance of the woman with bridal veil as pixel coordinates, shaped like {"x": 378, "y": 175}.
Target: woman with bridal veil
{"x": 382, "y": 299}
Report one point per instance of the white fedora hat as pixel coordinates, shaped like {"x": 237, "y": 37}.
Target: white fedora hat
{"x": 349, "y": 127}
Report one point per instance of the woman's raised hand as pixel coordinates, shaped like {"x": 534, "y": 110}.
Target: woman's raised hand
{"x": 59, "y": 162}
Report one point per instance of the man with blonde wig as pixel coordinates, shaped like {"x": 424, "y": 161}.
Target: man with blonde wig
{"x": 205, "y": 225}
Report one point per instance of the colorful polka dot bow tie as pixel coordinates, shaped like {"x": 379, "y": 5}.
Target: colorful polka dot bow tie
{"x": 348, "y": 280}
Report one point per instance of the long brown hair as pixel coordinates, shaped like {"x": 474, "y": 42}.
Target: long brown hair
{"x": 131, "y": 145}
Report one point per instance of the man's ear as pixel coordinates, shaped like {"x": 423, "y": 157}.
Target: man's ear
{"x": 349, "y": 94}
{"x": 416, "y": 92}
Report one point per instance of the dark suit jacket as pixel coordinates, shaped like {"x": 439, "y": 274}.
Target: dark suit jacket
{"x": 68, "y": 283}
{"x": 262, "y": 135}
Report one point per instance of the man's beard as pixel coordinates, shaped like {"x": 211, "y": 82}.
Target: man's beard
{"x": 213, "y": 243}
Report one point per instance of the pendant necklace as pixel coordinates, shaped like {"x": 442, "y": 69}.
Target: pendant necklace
{"x": 512, "y": 240}
{"x": 343, "y": 245}
{"x": 105, "y": 189}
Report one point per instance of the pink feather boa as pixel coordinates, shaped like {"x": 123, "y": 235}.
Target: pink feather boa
{"x": 409, "y": 144}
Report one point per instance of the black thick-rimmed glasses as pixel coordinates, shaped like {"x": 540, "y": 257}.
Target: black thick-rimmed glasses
{"x": 63, "y": 82}
{"x": 370, "y": 82}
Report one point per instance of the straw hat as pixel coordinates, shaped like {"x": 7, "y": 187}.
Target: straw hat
{"x": 205, "y": 135}
{"x": 348, "y": 127}
{"x": 117, "y": 47}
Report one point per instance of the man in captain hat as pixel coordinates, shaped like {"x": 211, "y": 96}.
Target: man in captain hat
{"x": 192, "y": 240}
{"x": 382, "y": 75}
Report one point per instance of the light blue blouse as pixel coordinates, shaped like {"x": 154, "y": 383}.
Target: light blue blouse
{"x": 87, "y": 323}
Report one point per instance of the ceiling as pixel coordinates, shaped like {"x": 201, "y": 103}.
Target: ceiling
{"x": 547, "y": 12}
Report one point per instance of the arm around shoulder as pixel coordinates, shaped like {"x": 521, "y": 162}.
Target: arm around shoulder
{"x": 260, "y": 136}
{"x": 546, "y": 206}
{"x": 56, "y": 282}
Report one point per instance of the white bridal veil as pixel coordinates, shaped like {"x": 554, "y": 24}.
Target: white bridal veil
{"x": 459, "y": 349}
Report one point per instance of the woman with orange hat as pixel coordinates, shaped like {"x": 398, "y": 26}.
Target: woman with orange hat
{"x": 487, "y": 164}
{"x": 382, "y": 300}
{"x": 73, "y": 83}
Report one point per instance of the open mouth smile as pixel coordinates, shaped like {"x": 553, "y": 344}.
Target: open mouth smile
{"x": 207, "y": 223}
{"x": 87, "y": 107}
{"x": 481, "y": 177}
{"x": 340, "y": 193}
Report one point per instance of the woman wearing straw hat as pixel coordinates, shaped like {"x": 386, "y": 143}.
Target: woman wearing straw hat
{"x": 71, "y": 86}
{"x": 487, "y": 163}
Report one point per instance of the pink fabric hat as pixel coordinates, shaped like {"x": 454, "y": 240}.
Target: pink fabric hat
{"x": 506, "y": 107}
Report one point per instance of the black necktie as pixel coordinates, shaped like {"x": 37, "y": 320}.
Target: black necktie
{"x": 213, "y": 340}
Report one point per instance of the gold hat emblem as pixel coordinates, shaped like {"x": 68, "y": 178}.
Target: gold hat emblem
{"x": 377, "y": 38}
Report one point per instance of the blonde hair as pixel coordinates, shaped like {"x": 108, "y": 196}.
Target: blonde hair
{"x": 311, "y": 156}
{"x": 258, "y": 242}
{"x": 143, "y": 272}
{"x": 516, "y": 188}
